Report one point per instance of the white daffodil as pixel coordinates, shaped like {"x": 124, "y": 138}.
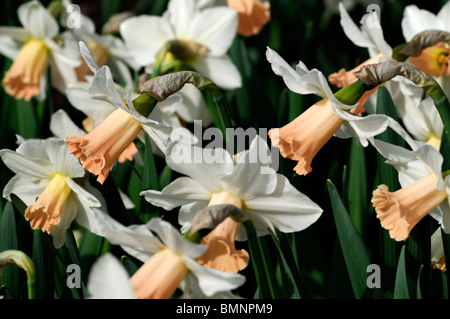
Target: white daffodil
{"x": 169, "y": 263}
{"x": 61, "y": 126}
{"x": 53, "y": 185}
{"x": 368, "y": 35}
{"x": 433, "y": 60}
{"x": 107, "y": 49}
{"x": 33, "y": 47}
{"x": 101, "y": 147}
{"x": 301, "y": 139}
{"x": 425, "y": 190}
{"x": 420, "y": 118}
{"x": 212, "y": 30}
{"x": 212, "y": 178}
{"x": 428, "y": 20}
{"x": 206, "y": 33}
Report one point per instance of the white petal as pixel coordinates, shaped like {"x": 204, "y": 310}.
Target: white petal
{"x": 287, "y": 209}
{"x": 37, "y": 20}
{"x": 433, "y": 159}
{"x": 190, "y": 106}
{"x": 64, "y": 162}
{"x": 88, "y": 57}
{"x": 159, "y": 133}
{"x": 187, "y": 213}
{"x": 302, "y": 80}
{"x": 203, "y": 165}
{"x": 367, "y": 127}
{"x": 215, "y": 28}
{"x": 220, "y": 69}
{"x": 444, "y": 15}
{"x": 437, "y": 247}
{"x": 428, "y": 21}
{"x": 25, "y": 189}
{"x": 62, "y": 126}
{"x": 144, "y": 35}
{"x": 352, "y": 31}
{"x": 251, "y": 177}
{"x": 103, "y": 88}
{"x": 211, "y": 281}
{"x": 172, "y": 238}
{"x": 28, "y": 168}
{"x": 180, "y": 14}
{"x": 80, "y": 98}
{"x": 108, "y": 279}
{"x": 183, "y": 190}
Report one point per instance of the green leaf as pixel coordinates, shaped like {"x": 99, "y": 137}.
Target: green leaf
{"x": 288, "y": 260}
{"x": 9, "y": 240}
{"x": 357, "y": 188}
{"x": 129, "y": 265}
{"x": 43, "y": 259}
{"x": 264, "y": 276}
{"x": 401, "y": 290}
{"x": 353, "y": 248}
{"x": 165, "y": 176}
{"x": 387, "y": 175}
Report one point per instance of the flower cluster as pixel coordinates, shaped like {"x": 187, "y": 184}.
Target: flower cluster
{"x": 119, "y": 159}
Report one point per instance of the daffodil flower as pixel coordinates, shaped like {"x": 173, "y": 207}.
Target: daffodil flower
{"x": 169, "y": 263}
{"x": 101, "y": 147}
{"x": 419, "y": 116}
{"x": 61, "y": 125}
{"x": 424, "y": 189}
{"x": 208, "y": 35}
{"x": 106, "y": 49}
{"x": 301, "y": 139}
{"x": 369, "y": 35}
{"x": 33, "y": 47}
{"x": 433, "y": 60}
{"x": 212, "y": 30}
{"x": 420, "y": 120}
{"x": 53, "y": 185}
{"x": 213, "y": 178}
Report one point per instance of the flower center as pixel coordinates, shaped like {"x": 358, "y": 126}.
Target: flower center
{"x": 225, "y": 197}
{"x": 46, "y": 211}
{"x": 434, "y": 141}
{"x": 160, "y": 276}
{"x": 23, "y": 79}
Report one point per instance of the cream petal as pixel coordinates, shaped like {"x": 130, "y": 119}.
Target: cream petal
{"x": 215, "y": 28}
{"x": 202, "y": 165}
{"x": 211, "y": 281}
{"x": 220, "y": 69}
{"x": 37, "y": 20}
{"x": 428, "y": 21}
{"x": 25, "y": 189}
{"x": 351, "y": 30}
{"x": 80, "y": 98}
{"x": 286, "y": 208}
{"x": 144, "y": 35}
{"x": 61, "y": 125}
{"x": 108, "y": 279}
{"x": 172, "y": 239}
{"x": 28, "y": 168}
{"x": 181, "y": 191}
